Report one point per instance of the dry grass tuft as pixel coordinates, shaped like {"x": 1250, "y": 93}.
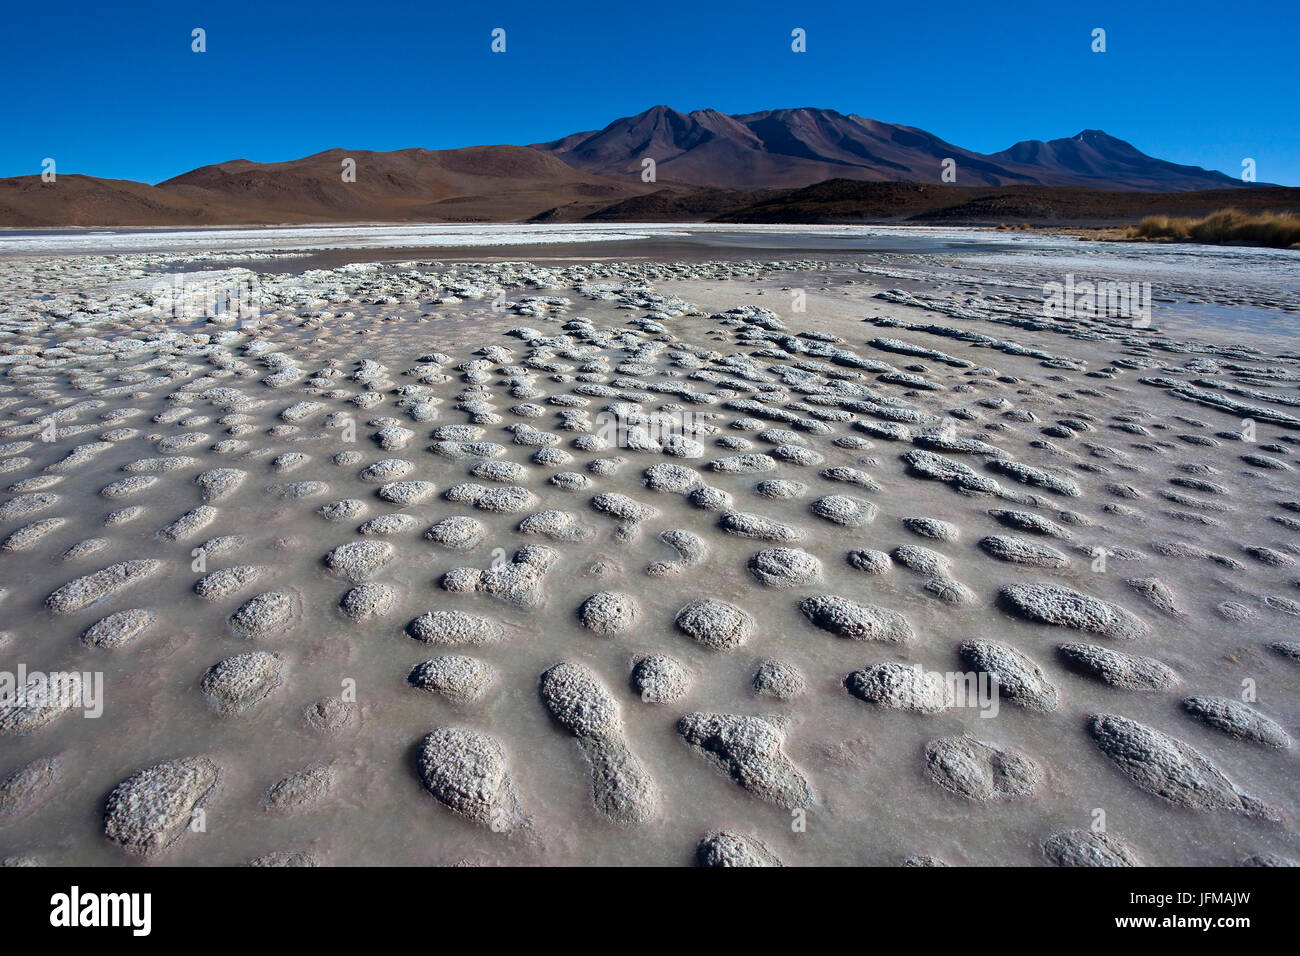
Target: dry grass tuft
{"x": 1278, "y": 230}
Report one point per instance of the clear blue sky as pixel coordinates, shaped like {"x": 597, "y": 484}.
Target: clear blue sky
{"x": 114, "y": 90}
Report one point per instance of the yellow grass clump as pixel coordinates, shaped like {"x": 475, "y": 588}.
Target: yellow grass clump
{"x": 1278, "y": 230}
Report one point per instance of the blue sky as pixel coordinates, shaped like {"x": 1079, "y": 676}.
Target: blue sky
{"x": 115, "y": 91}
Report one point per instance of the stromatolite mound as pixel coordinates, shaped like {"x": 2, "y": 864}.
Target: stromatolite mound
{"x": 778, "y": 679}
{"x": 1019, "y": 679}
{"x": 1088, "y": 848}
{"x": 714, "y": 624}
{"x": 300, "y": 790}
{"x": 1170, "y": 769}
{"x": 1237, "y": 720}
{"x": 621, "y": 787}
{"x": 659, "y": 679}
{"x": 1014, "y": 550}
{"x": 368, "y": 600}
{"x": 119, "y": 629}
{"x": 608, "y": 613}
{"x": 901, "y": 687}
{"x": 92, "y": 588}
{"x": 150, "y": 810}
{"x": 454, "y": 627}
{"x": 266, "y": 615}
{"x": 29, "y": 786}
{"x": 785, "y": 567}
{"x": 1064, "y": 607}
{"x": 1118, "y": 669}
{"x": 466, "y": 772}
{"x": 749, "y": 750}
{"x": 237, "y": 683}
{"x": 733, "y": 849}
{"x": 860, "y": 622}
{"x": 980, "y": 770}
{"x": 517, "y": 582}
{"x": 460, "y": 679}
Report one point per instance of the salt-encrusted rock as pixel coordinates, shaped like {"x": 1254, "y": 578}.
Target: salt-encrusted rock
{"x": 517, "y": 582}
{"x": 556, "y": 525}
{"x": 1157, "y": 594}
{"x": 901, "y": 687}
{"x": 922, "y": 560}
{"x": 219, "y": 483}
{"x": 861, "y": 622}
{"x": 622, "y": 507}
{"x": 119, "y": 629}
{"x": 29, "y": 786}
{"x": 1118, "y": 669}
{"x": 931, "y": 528}
{"x": 265, "y": 615}
{"x": 608, "y": 613}
{"x": 979, "y": 770}
{"x": 345, "y": 510}
{"x": 1078, "y": 847}
{"x": 1064, "y": 607}
{"x": 621, "y": 787}
{"x": 948, "y": 590}
{"x": 453, "y": 628}
{"x": 1237, "y": 720}
{"x": 1019, "y": 679}
{"x": 659, "y": 679}
{"x": 190, "y": 523}
{"x": 749, "y": 749}
{"x": 1028, "y": 521}
{"x": 780, "y": 488}
{"x": 359, "y": 560}
{"x": 395, "y": 523}
{"x": 459, "y": 532}
{"x": 1171, "y": 769}
{"x": 92, "y": 588}
{"x": 386, "y": 470}
{"x": 852, "y": 476}
{"x": 368, "y": 600}
{"x": 785, "y": 567}
{"x": 224, "y": 582}
{"x": 1014, "y": 550}
{"x": 868, "y": 561}
{"x": 844, "y": 510}
{"x": 715, "y": 624}
{"x": 29, "y": 535}
{"x": 1037, "y": 477}
{"x": 733, "y": 849}
{"x": 150, "y": 810}
{"x": 674, "y": 479}
{"x": 466, "y": 772}
{"x": 460, "y": 679}
{"x": 758, "y": 527}
{"x": 743, "y": 464}
{"x": 778, "y": 679}
{"x": 408, "y": 492}
{"x": 237, "y": 683}
{"x": 300, "y": 790}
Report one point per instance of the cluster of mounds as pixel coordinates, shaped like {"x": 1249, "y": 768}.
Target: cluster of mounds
{"x": 690, "y": 565}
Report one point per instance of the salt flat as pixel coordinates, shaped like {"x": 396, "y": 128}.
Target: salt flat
{"x": 803, "y": 555}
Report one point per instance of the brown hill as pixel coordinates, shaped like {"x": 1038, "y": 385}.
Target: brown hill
{"x": 799, "y": 147}
{"x": 479, "y": 183}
